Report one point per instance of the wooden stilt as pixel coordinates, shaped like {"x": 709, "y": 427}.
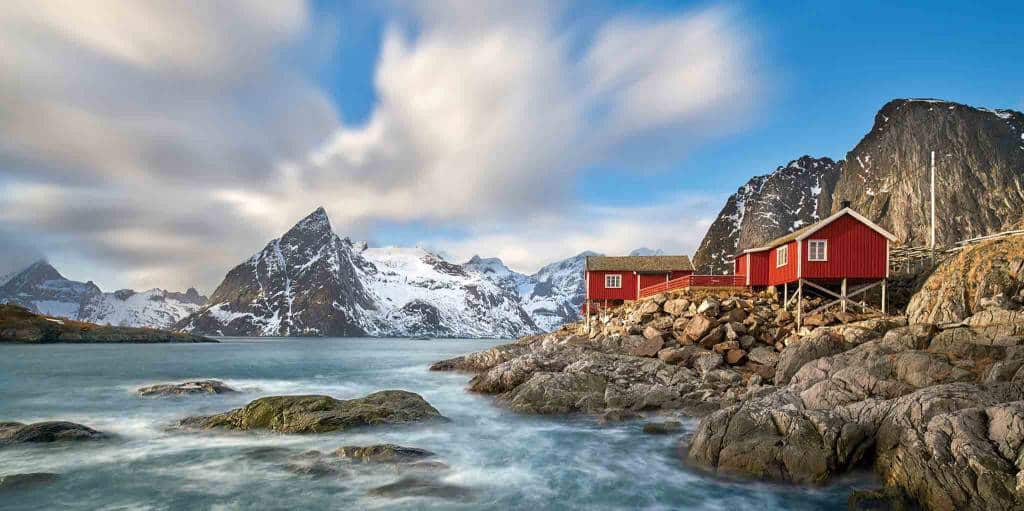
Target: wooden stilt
{"x": 799, "y": 301}
{"x": 843, "y": 294}
{"x": 785, "y": 296}
{"x": 884, "y": 288}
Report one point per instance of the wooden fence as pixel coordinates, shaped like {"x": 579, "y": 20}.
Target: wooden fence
{"x": 694, "y": 281}
{"x": 913, "y": 260}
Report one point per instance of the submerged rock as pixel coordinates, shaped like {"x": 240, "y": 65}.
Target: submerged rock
{"x": 422, "y": 486}
{"x": 319, "y": 414}
{"x": 662, "y": 428}
{"x": 382, "y": 453}
{"x": 188, "y": 387}
{"x": 14, "y": 482}
{"x": 45, "y": 432}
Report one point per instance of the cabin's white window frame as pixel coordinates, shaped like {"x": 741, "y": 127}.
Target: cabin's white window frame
{"x": 820, "y": 254}
{"x": 782, "y": 256}
{"x": 613, "y": 281}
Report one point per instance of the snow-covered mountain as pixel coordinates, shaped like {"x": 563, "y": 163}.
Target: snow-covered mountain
{"x": 552, "y": 296}
{"x": 313, "y": 282}
{"x": 41, "y": 288}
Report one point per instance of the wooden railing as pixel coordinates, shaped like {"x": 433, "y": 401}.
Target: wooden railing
{"x": 694, "y": 281}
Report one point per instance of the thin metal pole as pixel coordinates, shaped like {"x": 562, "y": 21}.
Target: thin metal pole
{"x": 933, "y": 204}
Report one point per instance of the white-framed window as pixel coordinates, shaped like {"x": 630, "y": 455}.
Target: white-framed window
{"x": 817, "y": 250}
{"x": 782, "y": 256}
{"x": 613, "y": 281}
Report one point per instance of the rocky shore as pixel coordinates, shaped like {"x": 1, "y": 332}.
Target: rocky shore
{"x": 936, "y": 408}
{"x": 20, "y": 325}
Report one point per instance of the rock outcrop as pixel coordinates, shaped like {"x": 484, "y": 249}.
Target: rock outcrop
{"x": 937, "y": 413}
{"x": 989, "y": 275}
{"x": 20, "y": 325}
{"x": 319, "y": 414}
{"x": 185, "y": 388}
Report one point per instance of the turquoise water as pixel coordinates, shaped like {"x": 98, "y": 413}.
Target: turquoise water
{"x": 509, "y": 461}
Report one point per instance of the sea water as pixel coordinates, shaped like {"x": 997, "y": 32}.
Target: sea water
{"x": 506, "y": 460}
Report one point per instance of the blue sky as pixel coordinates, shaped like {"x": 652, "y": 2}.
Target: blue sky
{"x": 146, "y": 134}
{"x": 832, "y": 66}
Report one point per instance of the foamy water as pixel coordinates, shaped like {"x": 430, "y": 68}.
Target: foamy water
{"x": 508, "y": 461}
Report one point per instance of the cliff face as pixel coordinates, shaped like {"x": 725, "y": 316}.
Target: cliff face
{"x": 979, "y": 157}
{"x": 767, "y": 207}
{"x": 979, "y": 177}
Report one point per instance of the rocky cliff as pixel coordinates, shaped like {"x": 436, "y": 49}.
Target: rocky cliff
{"x": 979, "y": 181}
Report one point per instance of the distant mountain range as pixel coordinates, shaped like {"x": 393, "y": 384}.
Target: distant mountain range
{"x": 42, "y": 289}
{"x": 310, "y": 281}
{"x": 979, "y": 158}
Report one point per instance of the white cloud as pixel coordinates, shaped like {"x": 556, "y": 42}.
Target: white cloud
{"x": 162, "y": 141}
{"x": 675, "y": 225}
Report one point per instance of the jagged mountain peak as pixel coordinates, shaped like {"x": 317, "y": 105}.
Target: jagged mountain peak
{"x": 315, "y": 222}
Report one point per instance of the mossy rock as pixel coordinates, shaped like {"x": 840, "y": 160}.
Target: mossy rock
{"x": 321, "y": 414}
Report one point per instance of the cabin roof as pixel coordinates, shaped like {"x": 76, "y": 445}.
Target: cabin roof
{"x": 804, "y": 232}
{"x": 639, "y": 263}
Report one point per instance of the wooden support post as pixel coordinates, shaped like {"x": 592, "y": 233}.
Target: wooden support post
{"x": 799, "y": 301}
{"x": 843, "y": 294}
{"x": 785, "y": 296}
{"x": 884, "y": 286}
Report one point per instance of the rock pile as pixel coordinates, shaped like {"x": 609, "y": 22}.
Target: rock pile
{"x": 689, "y": 350}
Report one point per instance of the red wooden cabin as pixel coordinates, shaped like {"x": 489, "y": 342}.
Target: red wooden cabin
{"x": 613, "y": 280}
{"x": 841, "y": 250}
{"x": 843, "y": 246}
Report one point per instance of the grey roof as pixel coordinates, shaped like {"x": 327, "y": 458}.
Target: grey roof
{"x": 639, "y": 263}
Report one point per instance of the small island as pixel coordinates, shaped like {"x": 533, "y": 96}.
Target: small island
{"x": 20, "y": 325}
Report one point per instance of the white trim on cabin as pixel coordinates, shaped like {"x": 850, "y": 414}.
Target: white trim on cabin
{"x": 873, "y": 226}
{"x": 782, "y": 256}
{"x": 613, "y": 281}
{"x": 799, "y": 259}
{"x": 820, "y": 255}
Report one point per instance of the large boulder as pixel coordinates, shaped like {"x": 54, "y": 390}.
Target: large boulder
{"x": 764, "y": 439}
{"x": 809, "y": 349}
{"x": 553, "y": 393}
{"x": 46, "y": 432}
{"x": 319, "y": 414}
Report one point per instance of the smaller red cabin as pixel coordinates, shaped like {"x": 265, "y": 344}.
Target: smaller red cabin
{"x": 844, "y": 246}
{"x": 613, "y": 280}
